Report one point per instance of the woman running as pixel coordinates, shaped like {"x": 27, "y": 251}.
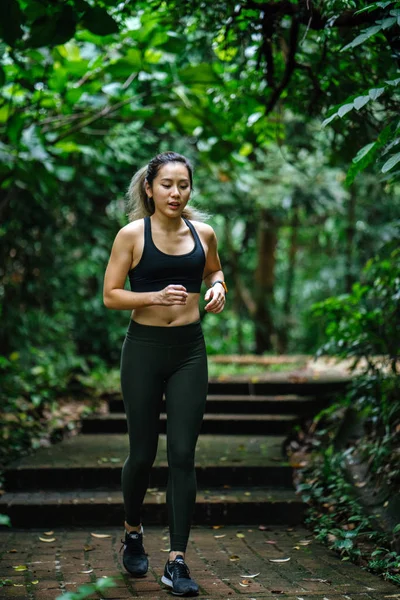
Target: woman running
{"x": 166, "y": 251}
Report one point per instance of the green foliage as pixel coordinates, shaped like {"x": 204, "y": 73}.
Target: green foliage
{"x": 31, "y": 381}
{"x": 53, "y": 23}
{"x": 362, "y": 326}
{"x": 339, "y": 520}
{"x": 5, "y": 520}
{"x": 381, "y": 149}
{"x": 366, "y": 322}
{"x": 87, "y": 590}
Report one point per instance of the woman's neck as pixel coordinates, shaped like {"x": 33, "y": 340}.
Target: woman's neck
{"x": 166, "y": 223}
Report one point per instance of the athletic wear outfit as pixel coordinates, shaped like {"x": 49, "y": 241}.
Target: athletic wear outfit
{"x": 170, "y": 360}
{"x": 156, "y": 270}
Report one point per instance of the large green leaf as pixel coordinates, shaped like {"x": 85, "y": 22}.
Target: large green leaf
{"x": 98, "y": 21}
{"x": 202, "y": 73}
{"x": 52, "y": 30}
{"x": 389, "y": 164}
{"x": 10, "y": 22}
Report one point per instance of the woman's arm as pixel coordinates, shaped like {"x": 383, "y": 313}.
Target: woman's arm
{"x": 213, "y": 272}
{"x": 114, "y": 295}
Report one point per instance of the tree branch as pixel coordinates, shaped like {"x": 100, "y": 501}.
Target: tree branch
{"x": 290, "y": 65}
{"x": 301, "y": 12}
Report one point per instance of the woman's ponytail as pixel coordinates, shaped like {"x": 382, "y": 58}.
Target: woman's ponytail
{"x": 138, "y": 203}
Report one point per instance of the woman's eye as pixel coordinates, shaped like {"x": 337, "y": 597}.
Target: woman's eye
{"x": 185, "y": 187}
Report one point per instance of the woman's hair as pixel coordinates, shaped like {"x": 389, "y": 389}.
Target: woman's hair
{"x": 138, "y": 203}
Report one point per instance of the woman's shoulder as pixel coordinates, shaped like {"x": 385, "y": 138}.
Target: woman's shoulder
{"x": 130, "y": 231}
{"x": 135, "y": 225}
{"x": 203, "y": 228}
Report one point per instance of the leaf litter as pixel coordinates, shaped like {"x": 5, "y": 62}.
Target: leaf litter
{"x": 279, "y": 560}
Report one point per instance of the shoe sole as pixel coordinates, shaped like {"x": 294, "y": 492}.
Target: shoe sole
{"x": 168, "y": 582}
{"x": 135, "y": 574}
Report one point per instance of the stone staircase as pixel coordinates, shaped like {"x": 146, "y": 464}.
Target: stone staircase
{"x": 243, "y": 475}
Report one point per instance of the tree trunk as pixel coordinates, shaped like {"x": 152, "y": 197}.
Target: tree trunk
{"x": 238, "y": 293}
{"x": 264, "y": 282}
{"x": 287, "y": 304}
{"x": 350, "y": 231}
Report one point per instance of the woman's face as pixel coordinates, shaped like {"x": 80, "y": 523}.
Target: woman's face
{"x": 171, "y": 189}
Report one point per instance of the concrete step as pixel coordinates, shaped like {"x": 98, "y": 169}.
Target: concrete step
{"x": 85, "y": 507}
{"x": 226, "y": 424}
{"x": 279, "y": 383}
{"x": 95, "y": 461}
{"x": 245, "y": 404}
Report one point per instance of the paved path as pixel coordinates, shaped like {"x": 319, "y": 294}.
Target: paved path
{"x": 219, "y": 561}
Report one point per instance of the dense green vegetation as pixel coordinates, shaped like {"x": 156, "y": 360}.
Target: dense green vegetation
{"x": 289, "y": 113}
{"x": 351, "y": 478}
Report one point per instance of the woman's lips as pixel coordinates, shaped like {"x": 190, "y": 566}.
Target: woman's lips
{"x": 174, "y": 206}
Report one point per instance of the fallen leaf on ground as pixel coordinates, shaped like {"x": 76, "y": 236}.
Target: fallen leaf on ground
{"x": 220, "y": 536}
{"x": 279, "y": 560}
{"x": 243, "y": 584}
{"x": 304, "y": 542}
{"x": 240, "y": 535}
{"x": 360, "y": 484}
{"x": 248, "y": 576}
{"x": 47, "y": 539}
{"x": 100, "y": 535}
{"x": 317, "y": 579}
{"x": 263, "y": 527}
{"x": 234, "y": 557}
{"x": 88, "y": 548}
{"x": 48, "y": 532}
{"x": 20, "y": 567}
{"x": 217, "y": 526}
{"x": 164, "y": 550}
{"x": 89, "y": 571}
{"x": 35, "y": 582}
{"x": 270, "y": 541}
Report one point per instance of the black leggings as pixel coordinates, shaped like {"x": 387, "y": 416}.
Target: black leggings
{"x": 153, "y": 360}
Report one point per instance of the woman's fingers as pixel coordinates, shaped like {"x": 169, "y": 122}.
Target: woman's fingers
{"x": 216, "y": 304}
{"x": 175, "y": 294}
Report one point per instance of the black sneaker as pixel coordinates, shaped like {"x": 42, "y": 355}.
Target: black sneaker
{"x": 134, "y": 557}
{"x": 176, "y": 576}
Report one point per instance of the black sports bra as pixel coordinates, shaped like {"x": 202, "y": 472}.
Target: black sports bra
{"x": 156, "y": 270}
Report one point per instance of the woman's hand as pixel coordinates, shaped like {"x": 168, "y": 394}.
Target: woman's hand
{"x": 217, "y": 295}
{"x": 172, "y": 294}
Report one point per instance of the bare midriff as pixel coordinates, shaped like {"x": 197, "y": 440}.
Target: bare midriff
{"x": 169, "y": 316}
